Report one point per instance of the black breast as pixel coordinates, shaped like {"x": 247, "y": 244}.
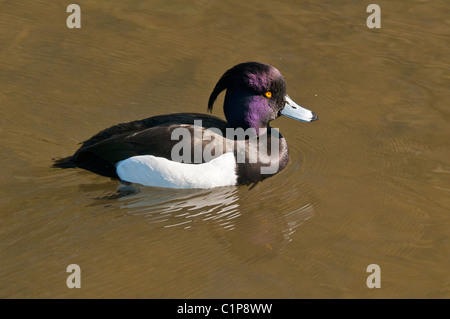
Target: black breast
{"x": 273, "y": 156}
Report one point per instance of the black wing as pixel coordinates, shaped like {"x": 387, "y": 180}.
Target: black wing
{"x": 151, "y": 136}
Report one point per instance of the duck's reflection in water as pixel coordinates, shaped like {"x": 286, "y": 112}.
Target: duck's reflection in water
{"x": 182, "y": 208}
{"x": 245, "y": 228}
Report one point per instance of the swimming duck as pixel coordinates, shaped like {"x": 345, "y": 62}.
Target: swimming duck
{"x": 192, "y": 150}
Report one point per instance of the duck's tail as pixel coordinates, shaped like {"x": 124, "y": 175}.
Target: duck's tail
{"x": 88, "y": 161}
{"x": 66, "y": 162}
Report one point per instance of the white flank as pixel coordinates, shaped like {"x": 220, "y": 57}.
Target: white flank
{"x": 149, "y": 170}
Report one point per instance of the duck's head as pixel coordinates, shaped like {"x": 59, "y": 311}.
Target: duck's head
{"x": 256, "y": 95}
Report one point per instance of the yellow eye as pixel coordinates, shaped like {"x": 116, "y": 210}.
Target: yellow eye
{"x": 268, "y": 94}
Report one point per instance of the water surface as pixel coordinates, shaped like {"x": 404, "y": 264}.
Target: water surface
{"x": 366, "y": 184}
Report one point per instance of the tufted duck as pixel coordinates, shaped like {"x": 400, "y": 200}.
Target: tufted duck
{"x": 244, "y": 149}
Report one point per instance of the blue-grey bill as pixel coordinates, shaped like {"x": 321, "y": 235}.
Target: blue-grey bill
{"x": 295, "y": 111}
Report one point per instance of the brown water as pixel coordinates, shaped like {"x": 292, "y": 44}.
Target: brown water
{"x": 369, "y": 183}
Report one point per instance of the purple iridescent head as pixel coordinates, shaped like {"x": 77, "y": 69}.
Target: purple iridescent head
{"x": 256, "y": 95}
